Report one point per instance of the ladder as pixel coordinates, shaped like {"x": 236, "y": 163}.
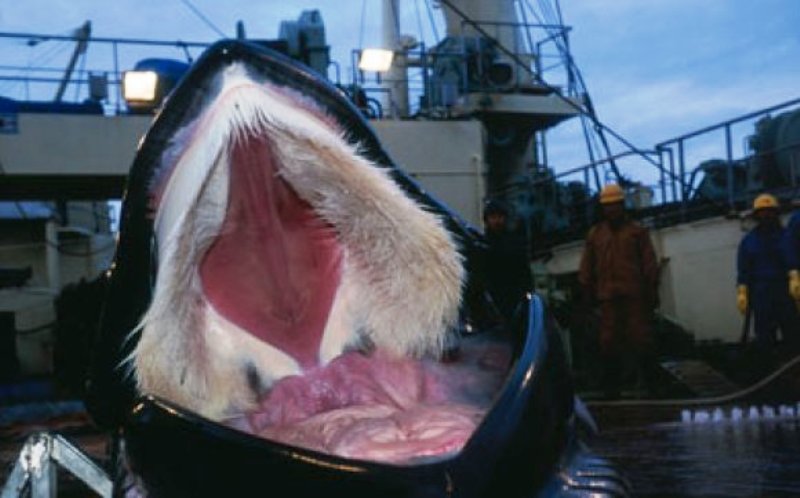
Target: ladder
{"x": 35, "y": 472}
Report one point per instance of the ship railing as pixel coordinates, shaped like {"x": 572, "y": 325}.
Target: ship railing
{"x": 681, "y": 155}
{"x": 537, "y": 53}
{"x": 676, "y": 182}
{"x": 380, "y": 91}
{"x": 674, "y": 194}
{"x": 536, "y": 50}
{"x": 37, "y": 79}
{"x": 570, "y": 196}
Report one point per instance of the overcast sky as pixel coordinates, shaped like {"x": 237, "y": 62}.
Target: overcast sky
{"x": 654, "y": 68}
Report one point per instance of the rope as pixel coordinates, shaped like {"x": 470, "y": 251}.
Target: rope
{"x": 419, "y": 19}
{"x": 361, "y": 25}
{"x": 48, "y": 54}
{"x": 704, "y": 401}
{"x": 203, "y": 18}
{"x": 396, "y": 23}
{"x": 432, "y": 21}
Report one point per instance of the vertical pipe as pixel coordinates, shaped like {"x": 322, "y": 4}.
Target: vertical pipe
{"x": 118, "y": 76}
{"x": 51, "y": 250}
{"x": 681, "y": 172}
{"x": 480, "y": 187}
{"x": 672, "y": 173}
{"x": 729, "y": 164}
{"x": 357, "y": 74}
{"x": 545, "y": 159}
{"x": 588, "y": 207}
{"x": 426, "y": 82}
{"x": 396, "y": 78}
{"x": 537, "y": 59}
{"x": 663, "y": 176}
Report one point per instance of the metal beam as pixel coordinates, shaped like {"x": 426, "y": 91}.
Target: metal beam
{"x": 81, "y": 37}
{"x": 36, "y": 467}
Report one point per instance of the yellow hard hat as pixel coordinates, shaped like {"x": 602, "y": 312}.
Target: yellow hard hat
{"x": 765, "y": 201}
{"x": 611, "y": 193}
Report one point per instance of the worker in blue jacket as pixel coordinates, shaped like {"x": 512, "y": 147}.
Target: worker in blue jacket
{"x": 762, "y": 276}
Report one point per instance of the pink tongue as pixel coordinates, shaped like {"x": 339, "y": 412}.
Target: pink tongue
{"x": 275, "y": 268}
{"x": 382, "y": 408}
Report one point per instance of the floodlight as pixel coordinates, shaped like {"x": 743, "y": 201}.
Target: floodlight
{"x": 375, "y": 59}
{"x": 139, "y": 86}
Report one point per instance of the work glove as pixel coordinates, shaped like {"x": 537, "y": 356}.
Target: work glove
{"x": 741, "y": 298}
{"x": 794, "y": 284}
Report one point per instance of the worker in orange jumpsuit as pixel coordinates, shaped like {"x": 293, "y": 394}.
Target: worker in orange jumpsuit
{"x": 619, "y": 271}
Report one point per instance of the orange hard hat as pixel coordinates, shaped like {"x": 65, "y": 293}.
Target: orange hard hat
{"x": 765, "y": 201}
{"x": 611, "y": 193}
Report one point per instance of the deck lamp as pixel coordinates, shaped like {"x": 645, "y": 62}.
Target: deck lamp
{"x": 145, "y": 87}
{"x": 375, "y": 59}
{"x": 140, "y": 87}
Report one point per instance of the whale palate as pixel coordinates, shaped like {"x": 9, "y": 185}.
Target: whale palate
{"x": 275, "y": 266}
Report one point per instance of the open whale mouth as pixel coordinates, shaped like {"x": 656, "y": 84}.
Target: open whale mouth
{"x": 300, "y": 295}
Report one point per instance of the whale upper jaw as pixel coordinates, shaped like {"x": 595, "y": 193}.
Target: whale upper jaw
{"x": 280, "y": 246}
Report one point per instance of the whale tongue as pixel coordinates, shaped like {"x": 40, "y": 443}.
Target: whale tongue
{"x": 275, "y": 267}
